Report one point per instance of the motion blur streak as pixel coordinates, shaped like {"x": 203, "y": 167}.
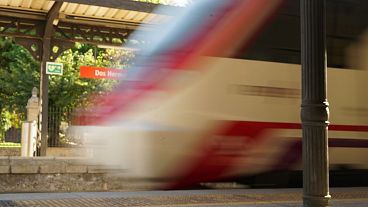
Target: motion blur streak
{"x": 207, "y": 28}
{"x": 187, "y": 112}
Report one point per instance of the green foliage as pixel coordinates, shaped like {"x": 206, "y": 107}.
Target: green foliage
{"x": 9, "y": 144}
{"x": 19, "y": 73}
{"x": 71, "y": 91}
{"x": 5, "y": 122}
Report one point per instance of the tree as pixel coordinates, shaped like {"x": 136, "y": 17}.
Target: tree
{"x": 19, "y": 73}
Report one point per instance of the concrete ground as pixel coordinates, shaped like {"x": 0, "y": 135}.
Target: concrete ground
{"x": 346, "y": 197}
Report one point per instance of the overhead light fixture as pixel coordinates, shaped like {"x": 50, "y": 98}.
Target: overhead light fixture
{"x": 55, "y": 22}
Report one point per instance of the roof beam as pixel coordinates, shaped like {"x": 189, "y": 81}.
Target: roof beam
{"x": 24, "y": 14}
{"x": 51, "y": 16}
{"x": 127, "y": 5}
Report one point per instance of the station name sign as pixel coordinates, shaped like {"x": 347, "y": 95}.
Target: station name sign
{"x": 103, "y": 73}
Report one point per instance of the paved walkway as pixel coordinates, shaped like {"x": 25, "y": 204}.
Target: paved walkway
{"x": 347, "y": 197}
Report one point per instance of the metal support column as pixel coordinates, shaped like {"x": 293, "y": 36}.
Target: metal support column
{"x": 44, "y": 83}
{"x": 314, "y": 110}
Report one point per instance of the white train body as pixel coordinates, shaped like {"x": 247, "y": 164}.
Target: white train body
{"x": 235, "y": 118}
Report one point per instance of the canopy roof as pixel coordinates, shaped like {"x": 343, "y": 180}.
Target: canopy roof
{"x": 97, "y": 22}
{"x": 116, "y": 13}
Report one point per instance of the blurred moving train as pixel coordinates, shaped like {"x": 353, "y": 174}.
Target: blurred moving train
{"x": 189, "y": 112}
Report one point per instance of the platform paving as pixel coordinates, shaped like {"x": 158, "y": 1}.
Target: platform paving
{"x": 344, "y": 197}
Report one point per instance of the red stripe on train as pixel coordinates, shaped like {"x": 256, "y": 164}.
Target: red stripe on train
{"x": 215, "y": 163}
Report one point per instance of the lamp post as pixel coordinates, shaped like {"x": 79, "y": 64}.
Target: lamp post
{"x": 314, "y": 110}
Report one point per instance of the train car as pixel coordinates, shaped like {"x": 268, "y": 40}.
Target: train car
{"x": 191, "y": 111}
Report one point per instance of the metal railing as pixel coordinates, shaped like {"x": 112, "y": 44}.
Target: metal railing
{"x": 59, "y": 126}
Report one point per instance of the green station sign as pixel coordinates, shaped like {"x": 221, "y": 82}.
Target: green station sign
{"x": 53, "y": 68}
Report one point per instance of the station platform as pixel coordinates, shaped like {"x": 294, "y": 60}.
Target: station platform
{"x": 345, "y": 197}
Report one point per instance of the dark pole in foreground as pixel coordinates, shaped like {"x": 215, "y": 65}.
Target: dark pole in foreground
{"x": 314, "y": 111}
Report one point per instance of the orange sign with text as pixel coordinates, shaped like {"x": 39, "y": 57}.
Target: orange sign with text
{"x": 97, "y": 72}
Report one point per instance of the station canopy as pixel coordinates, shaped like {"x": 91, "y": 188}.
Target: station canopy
{"x": 88, "y": 21}
{"x": 109, "y": 22}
